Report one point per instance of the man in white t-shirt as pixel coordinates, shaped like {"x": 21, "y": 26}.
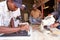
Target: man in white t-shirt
{"x": 9, "y": 10}
{"x": 48, "y": 21}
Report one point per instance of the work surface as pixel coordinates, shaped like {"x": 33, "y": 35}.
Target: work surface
{"x": 34, "y": 35}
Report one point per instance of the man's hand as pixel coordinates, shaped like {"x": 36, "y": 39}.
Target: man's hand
{"x": 24, "y": 27}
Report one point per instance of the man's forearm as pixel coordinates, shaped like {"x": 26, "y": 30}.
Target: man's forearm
{"x": 8, "y": 30}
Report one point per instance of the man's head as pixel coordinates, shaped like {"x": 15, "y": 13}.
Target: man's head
{"x": 34, "y": 6}
{"x": 13, "y": 4}
{"x": 23, "y": 7}
{"x": 49, "y": 12}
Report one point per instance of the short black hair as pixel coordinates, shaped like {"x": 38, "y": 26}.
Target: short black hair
{"x": 48, "y": 11}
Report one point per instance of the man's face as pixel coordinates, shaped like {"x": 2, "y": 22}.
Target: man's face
{"x": 11, "y": 5}
{"x": 34, "y": 8}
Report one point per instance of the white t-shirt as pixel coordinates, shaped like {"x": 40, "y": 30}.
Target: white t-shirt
{"x": 49, "y": 20}
{"x": 6, "y": 15}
